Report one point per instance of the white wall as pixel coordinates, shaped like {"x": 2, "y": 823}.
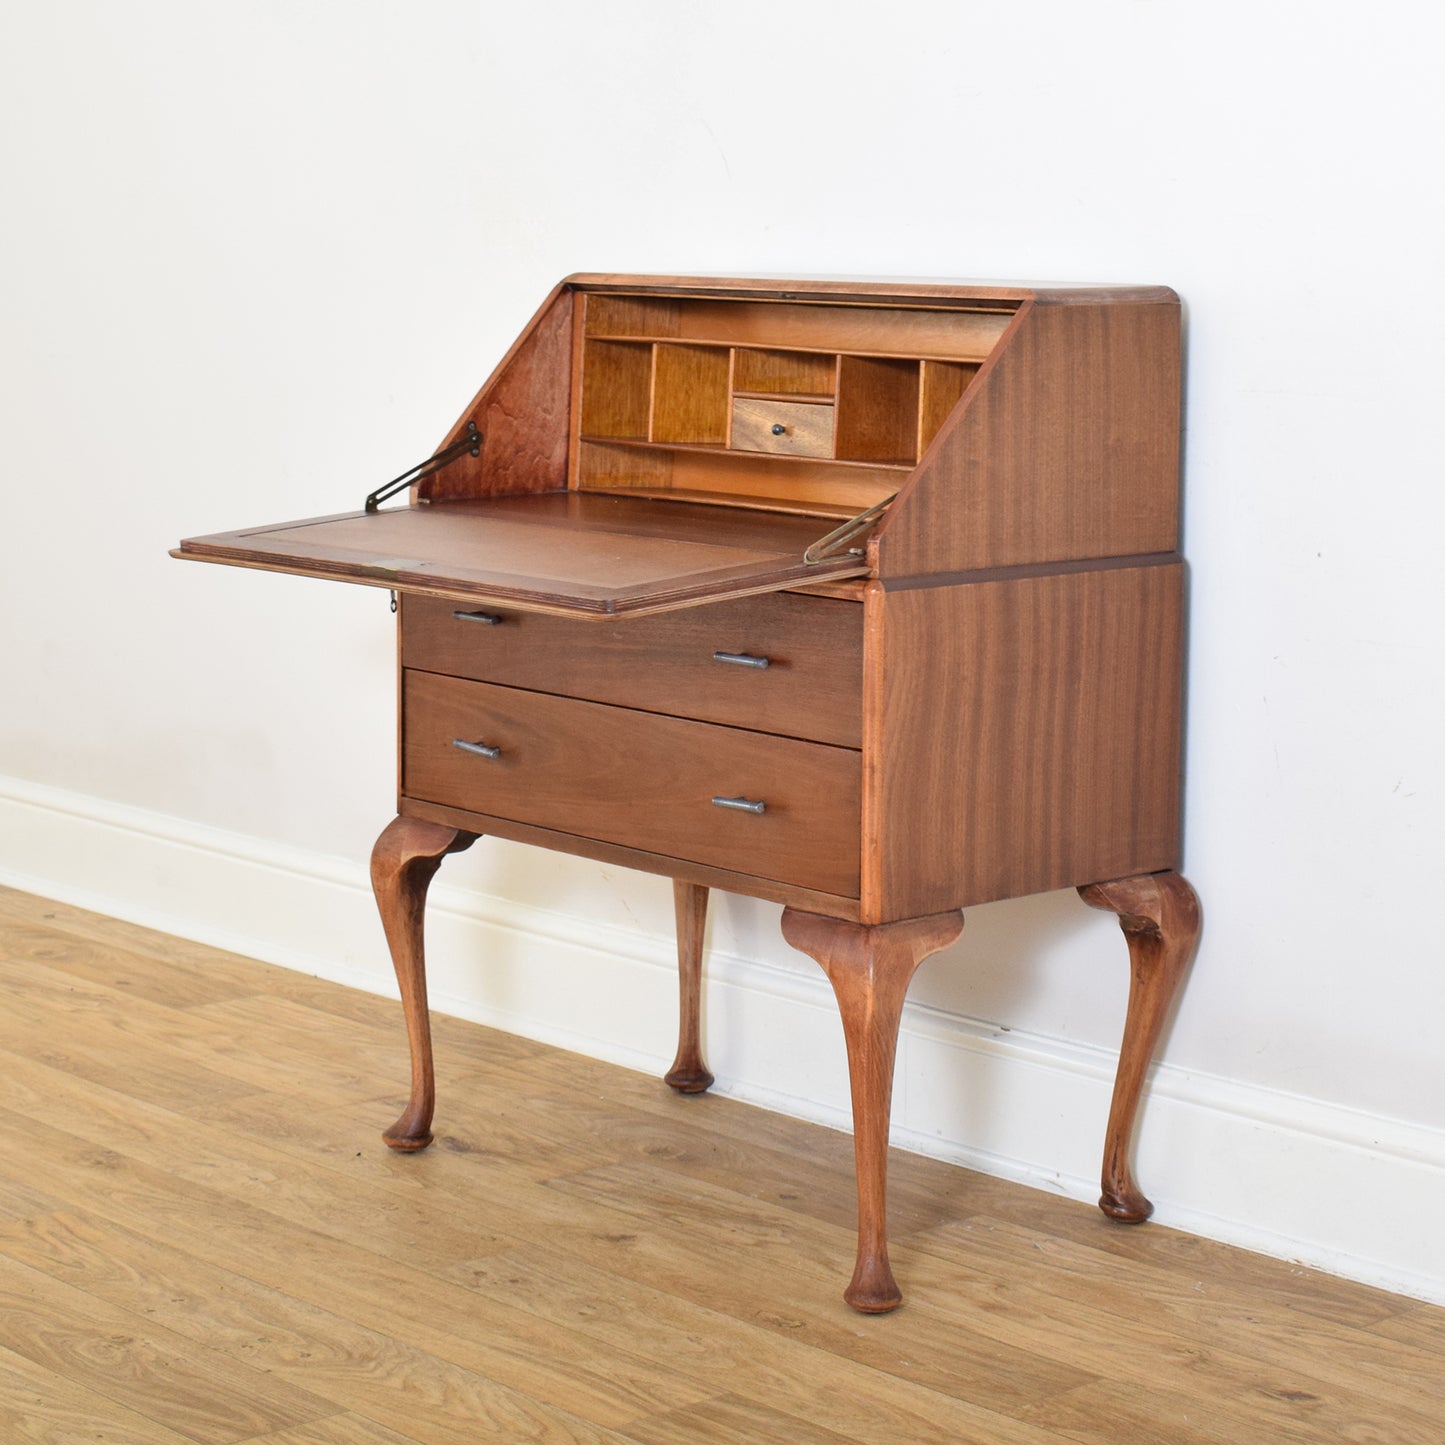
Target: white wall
{"x": 256, "y": 258}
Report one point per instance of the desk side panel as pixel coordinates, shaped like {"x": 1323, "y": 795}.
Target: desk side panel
{"x": 1020, "y": 734}
{"x": 1066, "y": 446}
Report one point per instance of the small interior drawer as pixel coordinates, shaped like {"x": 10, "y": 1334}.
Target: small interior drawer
{"x": 773, "y": 807}
{"x": 698, "y": 662}
{"x": 793, "y": 428}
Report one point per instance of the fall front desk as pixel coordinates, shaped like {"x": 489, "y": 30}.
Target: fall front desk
{"x": 860, "y": 597}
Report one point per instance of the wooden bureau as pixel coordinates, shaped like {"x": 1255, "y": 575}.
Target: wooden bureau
{"x": 860, "y": 597}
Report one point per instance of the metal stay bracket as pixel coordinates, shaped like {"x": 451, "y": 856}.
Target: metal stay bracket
{"x": 469, "y": 442}
{"x": 838, "y": 539}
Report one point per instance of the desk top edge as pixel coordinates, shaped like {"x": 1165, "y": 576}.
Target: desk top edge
{"x": 849, "y": 288}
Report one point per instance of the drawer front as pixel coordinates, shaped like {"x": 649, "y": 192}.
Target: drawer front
{"x": 636, "y": 779}
{"x": 811, "y": 687}
{"x": 796, "y": 428}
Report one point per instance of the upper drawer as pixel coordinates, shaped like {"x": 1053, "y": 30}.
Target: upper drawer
{"x": 675, "y": 663}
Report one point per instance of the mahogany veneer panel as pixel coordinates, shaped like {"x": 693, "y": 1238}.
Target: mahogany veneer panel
{"x": 1021, "y": 734}
{"x": 1066, "y": 446}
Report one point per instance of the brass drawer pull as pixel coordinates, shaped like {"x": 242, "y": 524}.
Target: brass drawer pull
{"x": 487, "y": 619}
{"x": 741, "y": 659}
{"x": 481, "y": 750}
{"x": 740, "y": 805}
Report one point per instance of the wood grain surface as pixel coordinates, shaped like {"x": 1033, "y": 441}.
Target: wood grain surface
{"x": 689, "y": 394}
{"x": 1160, "y": 916}
{"x": 791, "y": 428}
{"x": 639, "y": 780}
{"x": 869, "y": 967}
{"x": 835, "y": 905}
{"x": 811, "y": 687}
{"x": 962, "y": 335}
{"x": 403, "y": 863}
{"x": 784, "y": 373}
{"x": 616, "y": 387}
{"x": 689, "y": 1073}
{"x": 1021, "y": 733}
{"x": 1066, "y": 445}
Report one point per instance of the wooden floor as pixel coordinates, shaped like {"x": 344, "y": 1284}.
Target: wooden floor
{"x": 202, "y": 1238}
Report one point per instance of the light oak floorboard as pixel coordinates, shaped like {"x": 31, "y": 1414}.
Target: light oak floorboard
{"x": 202, "y": 1238}
{"x": 40, "y": 1407}
{"x": 144, "y": 1365}
{"x": 338, "y": 1430}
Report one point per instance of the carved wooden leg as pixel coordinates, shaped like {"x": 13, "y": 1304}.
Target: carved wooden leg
{"x": 869, "y": 966}
{"x": 689, "y": 1074}
{"x": 1159, "y": 913}
{"x": 405, "y": 857}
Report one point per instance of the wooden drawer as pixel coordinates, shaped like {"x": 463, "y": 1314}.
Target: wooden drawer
{"x": 795, "y": 428}
{"x": 636, "y": 779}
{"x": 811, "y": 688}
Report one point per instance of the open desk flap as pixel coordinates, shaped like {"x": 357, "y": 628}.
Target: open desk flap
{"x": 573, "y": 553}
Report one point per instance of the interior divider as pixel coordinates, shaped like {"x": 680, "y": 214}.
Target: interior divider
{"x": 664, "y": 381}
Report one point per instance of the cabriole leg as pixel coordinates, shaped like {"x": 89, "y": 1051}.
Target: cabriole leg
{"x": 689, "y": 1074}
{"x": 1159, "y": 913}
{"x": 869, "y": 966}
{"x": 407, "y": 854}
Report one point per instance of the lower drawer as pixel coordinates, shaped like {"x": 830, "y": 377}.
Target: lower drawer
{"x": 636, "y": 779}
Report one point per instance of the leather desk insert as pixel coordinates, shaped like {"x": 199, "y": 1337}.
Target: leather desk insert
{"x": 863, "y": 598}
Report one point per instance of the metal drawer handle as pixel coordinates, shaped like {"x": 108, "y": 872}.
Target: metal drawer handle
{"x": 487, "y": 619}
{"x": 741, "y": 805}
{"x": 741, "y": 659}
{"x": 480, "y": 750}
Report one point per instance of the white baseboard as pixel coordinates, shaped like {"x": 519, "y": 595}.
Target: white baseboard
{"x": 1345, "y": 1191}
